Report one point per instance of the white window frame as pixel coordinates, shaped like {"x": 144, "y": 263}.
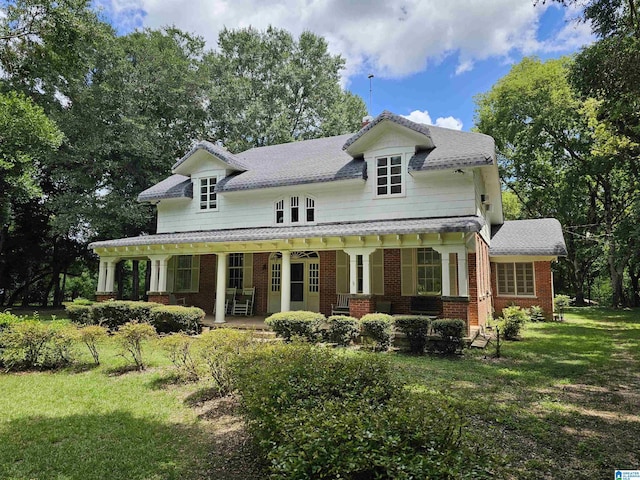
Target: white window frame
{"x": 279, "y": 207}
{"x": 388, "y": 175}
{"x": 210, "y": 191}
{"x": 231, "y": 267}
{"x": 294, "y": 205}
{"x": 309, "y": 205}
{"x": 515, "y": 280}
{"x": 435, "y": 266}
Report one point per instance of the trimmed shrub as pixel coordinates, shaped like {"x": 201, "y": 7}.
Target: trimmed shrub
{"x": 536, "y": 313}
{"x": 114, "y": 313}
{"x": 7, "y": 319}
{"x": 175, "y": 318}
{"x": 296, "y": 324}
{"x": 90, "y": 335}
{"x": 513, "y": 318}
{"x": 25, "y": 344}
{"x": 560, "y": 302}
{"x": 217, "y": 349}
{"x": 61, "y": 348}
{"x": 416, "y": 329}
{"x": 451, "y": 333}
{"x": 378, "y": 328}
{"x": 342, "y": 329}
{"x": 349, "y": 416}
{"x": 80, "y": 314}
{"x": 131, "y": 337}
{"x": 82, "y": 301}
{"x": 178, "y": 348}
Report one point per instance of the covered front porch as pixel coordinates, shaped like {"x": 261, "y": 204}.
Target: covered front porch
{"x": 424, "y": 266}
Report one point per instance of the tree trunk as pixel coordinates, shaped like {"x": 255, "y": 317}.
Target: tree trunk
{"x": 635, "y": 285}
{"x": 135, "y": 270}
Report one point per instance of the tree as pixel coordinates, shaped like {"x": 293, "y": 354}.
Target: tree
{"x": 269, "y": 88}
{"x": 562, "y": 161}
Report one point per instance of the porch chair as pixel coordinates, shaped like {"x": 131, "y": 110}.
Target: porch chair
{"x": 341, "y": 307}
{"x": 173, "y": 300}
{"x": 229, "y": 300}
{"x": 243, "y": 305}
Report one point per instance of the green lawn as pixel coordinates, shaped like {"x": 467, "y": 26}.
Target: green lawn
{"x": 563, "y": 403}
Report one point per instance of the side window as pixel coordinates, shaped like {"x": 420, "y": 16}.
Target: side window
{"x": 280, "y": 211}
{"x": 295, "y": 210}
{"x": 311, "y": 210}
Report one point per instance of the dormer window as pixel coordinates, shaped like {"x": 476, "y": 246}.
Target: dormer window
{"x": 295, "y": 210}
{"x": 208, "y": 197}
{"x": 389, "y": 176}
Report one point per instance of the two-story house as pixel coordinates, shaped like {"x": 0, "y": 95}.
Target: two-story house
{"x": 400, "y": 213}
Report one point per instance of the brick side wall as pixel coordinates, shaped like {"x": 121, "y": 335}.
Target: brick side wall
{"x": 483, "y": 305}
{"x": 205, "y": 297}
{"x": 327, "y": 281}
{"x": 453, "y": 307}
{"x": 472, "y": 307}
{"x": 261, "y": 282}
{"x": 392, "y": 283}
{"x": 544, "y": 291}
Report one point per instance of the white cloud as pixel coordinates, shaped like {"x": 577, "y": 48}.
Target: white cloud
{"x": 422, "y": 116}
{"x": 390, "y": 39}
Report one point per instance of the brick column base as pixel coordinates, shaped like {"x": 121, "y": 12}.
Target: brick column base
{"x": 455, "y": 307}
{"x": 105, "y": 297}
{"x": 158, "y": 297}
{"x": 360, "y": 305}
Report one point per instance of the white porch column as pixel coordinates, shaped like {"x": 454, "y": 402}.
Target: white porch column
{"x": 111, "y": 272}
{"x": 102, "y": 275}
{"x": 285, "y": 284}
{"x": 353, "y": 269}
{"x": 153, "y": 284}
{"x": 162, "y": 274}
{"x": 221, "y": 287}
{"x": 444, "y": 252}
{"x": 353, "y": 272}
{"x": 463, "y": 273}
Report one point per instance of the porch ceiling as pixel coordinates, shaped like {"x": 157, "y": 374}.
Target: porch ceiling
{"x": 379, "y": 234}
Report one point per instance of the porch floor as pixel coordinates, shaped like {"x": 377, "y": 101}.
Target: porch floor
{"x": 255, "y": 322}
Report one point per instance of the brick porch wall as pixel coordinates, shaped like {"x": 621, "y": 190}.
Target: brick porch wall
{"x": 544, "y": 291}
{"x": 360, "y": 305}
{"x": 261, "y": 282}
{"x": 105, "y": 297}
{"x": 206, "y": 295}
{"x": 159, "y": 298}
{"x": 327, "y": 281}
{"x": 392, "y": 283}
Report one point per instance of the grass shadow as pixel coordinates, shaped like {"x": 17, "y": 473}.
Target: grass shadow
{"x": 202, "y": 395}
{"x": 121, "y": 370}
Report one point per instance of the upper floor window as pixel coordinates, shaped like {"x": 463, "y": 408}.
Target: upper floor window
{"x": 389, "y": 176}
{"x": 208, "y": 197}
{"x": 515, "y": 279}
{"x": 295, "y": 210}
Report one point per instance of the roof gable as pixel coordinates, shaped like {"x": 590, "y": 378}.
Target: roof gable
{"x": 356, "y": 144}
{"x": 226, "y": 157}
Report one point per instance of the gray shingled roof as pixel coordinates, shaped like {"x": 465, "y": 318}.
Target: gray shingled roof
{"x": 389, "y": 116}
{"x": 528, "y": 237}
{"x": 379, "y": 227}
{"x": 176, "y": 186}
{"x": 295, "y": 163}
{"x": 454, "y": 149}
{"x": 223, "y": 154}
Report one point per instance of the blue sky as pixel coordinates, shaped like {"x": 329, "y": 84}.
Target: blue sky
{"x": 429, "y": 58}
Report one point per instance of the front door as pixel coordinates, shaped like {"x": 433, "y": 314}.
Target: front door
{"x": 297, "y": 286}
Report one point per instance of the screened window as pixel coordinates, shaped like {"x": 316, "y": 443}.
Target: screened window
{"x": 185, "y": 273}
{"x": 515, "y": 279}
{"x": 389, "y": 176}
{"x": 208, "y": 197}
{"x": 236, "y": 270}
{"x": 429, "y": 271}
{"x": 295, "y": 209}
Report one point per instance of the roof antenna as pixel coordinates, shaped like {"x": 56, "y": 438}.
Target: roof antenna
{"x": 370, "y": 91}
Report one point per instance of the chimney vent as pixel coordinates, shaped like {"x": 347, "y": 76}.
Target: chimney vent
{"x": 366, "y": 120}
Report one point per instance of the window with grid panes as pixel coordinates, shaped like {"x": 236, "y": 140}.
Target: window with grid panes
{"x": 429, "y": 271}
{"x": 389, "y": 175}
{"x": 515, "y": 279}
{"x": 295, "y": 209}
{"x": 208, "y": 197}
{"x": 311, "y": 210}
{"x": 275, "y": 277}
{"x": 314, "y": 277}
{"x": 183, "y": 276}
{"x": 236, "y": 270}
{"x": 280, "y": 211}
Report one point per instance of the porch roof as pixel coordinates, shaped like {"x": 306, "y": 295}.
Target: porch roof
{"x": 379, "y": 227}
{"x": 541, "y": 236}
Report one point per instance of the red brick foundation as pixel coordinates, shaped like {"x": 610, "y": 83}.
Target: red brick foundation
{"x": 105, "y": 297}
{"x": 360, "y": 305}
{"x": 159, "y": 298}
{"x": 544, "y": 291}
